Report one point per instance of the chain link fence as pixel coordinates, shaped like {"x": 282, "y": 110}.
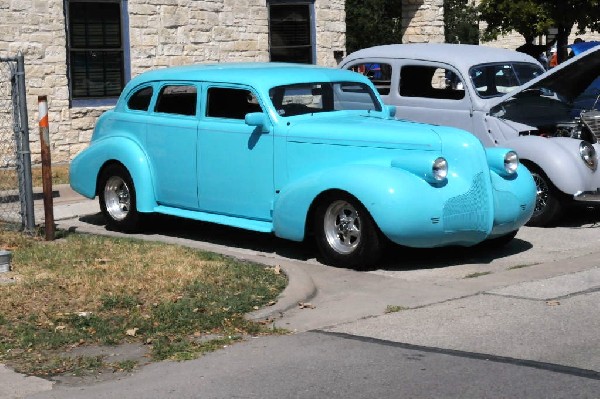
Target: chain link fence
{"x": 16, "y": 197}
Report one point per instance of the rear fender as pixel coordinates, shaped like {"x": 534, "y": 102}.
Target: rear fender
{"x": 87, "y": 166}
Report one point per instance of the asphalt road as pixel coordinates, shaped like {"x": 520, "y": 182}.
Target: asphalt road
{"x": 521, "y": 321}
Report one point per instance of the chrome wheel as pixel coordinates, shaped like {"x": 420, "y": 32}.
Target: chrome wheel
{"x": 542, "y": 195}
{"x": 342, "y": 227}
{"x": 117, "y": 198}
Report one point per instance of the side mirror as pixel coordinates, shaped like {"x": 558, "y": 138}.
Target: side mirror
{"x": 391, "y": 110}
{"x": 257, "y": 119}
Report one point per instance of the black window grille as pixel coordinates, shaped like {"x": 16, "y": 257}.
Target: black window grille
{"x": 95, "y": 48}
{"x": 290, "y": 33}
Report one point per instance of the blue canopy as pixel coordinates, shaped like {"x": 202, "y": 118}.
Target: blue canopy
{"x": 579, "y": 48}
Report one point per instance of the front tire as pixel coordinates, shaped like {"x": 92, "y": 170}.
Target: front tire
{"x": 548, "y": 205}
{"x": 118, "y": 200}
{"x": 499, "y": 242}
{"x": 345, "y": 233}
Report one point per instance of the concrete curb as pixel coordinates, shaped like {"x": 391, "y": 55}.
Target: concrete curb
{"x": 300, "y": 288}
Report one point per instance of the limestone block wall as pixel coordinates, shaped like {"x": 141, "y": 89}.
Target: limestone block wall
{"x": 423, "y": 21}
{"x": 161, "y": 33}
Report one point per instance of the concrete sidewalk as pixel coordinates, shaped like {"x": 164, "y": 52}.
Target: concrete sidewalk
{"x": 353, "y": 302}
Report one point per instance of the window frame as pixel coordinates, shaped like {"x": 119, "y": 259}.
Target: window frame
{"x": 125, "y": 50}
{"x": 312, "y": 22}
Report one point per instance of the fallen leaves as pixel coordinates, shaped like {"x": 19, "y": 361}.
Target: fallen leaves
{"x": 276, "y": 269}
{"x": 306, "y": 305}
{"x": 132, "y": 332}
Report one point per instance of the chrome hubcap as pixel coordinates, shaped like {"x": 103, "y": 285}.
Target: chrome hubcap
{"x": 543, "y": 192}
{"x": 117, "y": 198}
{"x": 342, "y": 227}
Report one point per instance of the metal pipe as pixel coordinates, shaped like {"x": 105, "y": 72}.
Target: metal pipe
{"x": 25, "y": 153}
{"x": 46, "y": 168}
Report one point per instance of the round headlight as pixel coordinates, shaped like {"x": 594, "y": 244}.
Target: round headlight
{"x": 588, "y": 154}
{"x": 440, "y": 169}
{"x": 511, "y": 162}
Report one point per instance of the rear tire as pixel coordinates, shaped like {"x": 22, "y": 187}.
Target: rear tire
{"x": 345, "y": 233}
{"x": 118, "y": 200}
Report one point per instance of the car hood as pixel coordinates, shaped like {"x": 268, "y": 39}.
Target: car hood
{"x": 364, "y": 131}
{"x": 568, "y": 79}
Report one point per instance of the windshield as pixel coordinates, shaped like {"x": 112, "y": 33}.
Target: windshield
{"x": 309, "y": 98}
{"x": 495, "y": 80}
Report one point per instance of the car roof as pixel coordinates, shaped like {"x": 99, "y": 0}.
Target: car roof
{"x": 256, "y": 74}
{"x": 462, "y": 56}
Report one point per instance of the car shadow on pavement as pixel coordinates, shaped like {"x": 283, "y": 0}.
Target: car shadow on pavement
{"x": 212, "y": 233}
{"x": 395, "y": 257}
{"x": 403, "y": 258}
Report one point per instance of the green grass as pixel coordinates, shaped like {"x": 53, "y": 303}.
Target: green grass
{"x": 394, "y": 308}
{"x": 522, "y": 266}
{"x": 84, "y": 290}
{"x": 478, "y": 274}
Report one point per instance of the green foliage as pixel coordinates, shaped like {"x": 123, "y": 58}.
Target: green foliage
{"x": 460, "y": 22}
{"x": 372, "y": 22}
{"x": 504, "y": 16}
{"x": 534, "y": 17}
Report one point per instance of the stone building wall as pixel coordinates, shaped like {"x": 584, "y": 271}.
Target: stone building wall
{"x": 423, "y": 21}
{"x": 161, "y": 33}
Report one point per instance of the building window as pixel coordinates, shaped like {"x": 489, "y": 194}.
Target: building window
{"x": 97, "y": 55}
{"x": 291, "y": 31}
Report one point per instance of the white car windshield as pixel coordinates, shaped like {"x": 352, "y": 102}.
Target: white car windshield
{"x": 309, "y": 98}
{"x": 495, "y": 80}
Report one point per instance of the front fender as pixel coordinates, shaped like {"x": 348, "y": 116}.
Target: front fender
{"x": 559, "y": 158}
{"x": 86, "y": 167}
{"x": 514, "y": 200}
{"x": 401, "y": 204}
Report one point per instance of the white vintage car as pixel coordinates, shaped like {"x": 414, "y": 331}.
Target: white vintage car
{"x": 506, "y": 99}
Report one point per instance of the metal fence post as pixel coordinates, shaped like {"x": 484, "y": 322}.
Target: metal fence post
{"x": 24, "y": 151}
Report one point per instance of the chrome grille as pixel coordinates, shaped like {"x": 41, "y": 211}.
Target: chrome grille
{"x": 469, "y": 211}
{"x": 591, "y": 119}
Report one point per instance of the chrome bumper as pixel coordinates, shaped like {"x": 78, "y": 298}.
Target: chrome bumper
{"x": 587, "y": 196}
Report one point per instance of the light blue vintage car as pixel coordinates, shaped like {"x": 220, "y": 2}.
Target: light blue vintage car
{"x": 298, "y": 151}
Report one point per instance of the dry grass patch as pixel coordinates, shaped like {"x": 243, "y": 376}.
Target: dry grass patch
{"x": 10, "y": 181}
{"x": 88, "y": 290}
{"x": 59, "y": 173}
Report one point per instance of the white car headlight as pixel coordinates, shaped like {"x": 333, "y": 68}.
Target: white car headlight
{"x": 588, "y": 155}
{"x": 439, "y": 169}
{"x": 511, "y": 162}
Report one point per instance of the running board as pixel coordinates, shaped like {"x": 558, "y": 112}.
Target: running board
{"x": 242, "y": 223}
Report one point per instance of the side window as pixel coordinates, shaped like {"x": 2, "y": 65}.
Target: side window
{"x": 430, "y": 82}
{"x": 231, "y": 103}
{"x": 379, "y": 73}
{"x": 177, "y": 99}
{"x": 140, "y": 100}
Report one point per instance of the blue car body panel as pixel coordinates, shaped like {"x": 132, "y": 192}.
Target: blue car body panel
{"x": 267, "y": 173}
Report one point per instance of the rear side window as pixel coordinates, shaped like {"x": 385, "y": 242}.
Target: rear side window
{"x": 177, "y": 99}
{"x": 430, "y": 82}
{"x": 378, "y": 73}
{"x": 231, "y": 103}
{"x": 140, "y": 100}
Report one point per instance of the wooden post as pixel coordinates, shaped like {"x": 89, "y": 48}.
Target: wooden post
{"x": 46, "y": 168}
